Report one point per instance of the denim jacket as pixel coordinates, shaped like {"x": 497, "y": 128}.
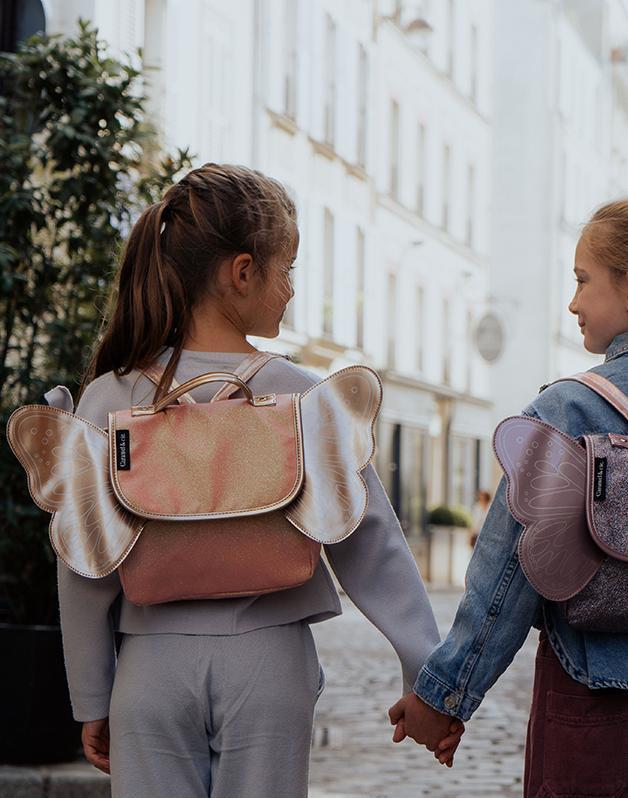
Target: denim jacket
{"x": 499, "y": 605}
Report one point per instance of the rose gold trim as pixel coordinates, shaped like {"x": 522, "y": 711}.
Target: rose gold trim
{"x": 189, "y": 385}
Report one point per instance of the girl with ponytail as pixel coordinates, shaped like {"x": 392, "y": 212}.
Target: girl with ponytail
{"x": 216, "y": 697}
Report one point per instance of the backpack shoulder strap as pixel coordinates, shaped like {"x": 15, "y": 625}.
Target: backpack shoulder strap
{"x": 602, "y": 387}
{"x": 154, "y": 373}
{"x": 245, "y": 371}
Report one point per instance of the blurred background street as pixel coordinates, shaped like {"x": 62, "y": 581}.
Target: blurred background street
{"x": 353, "y": 755}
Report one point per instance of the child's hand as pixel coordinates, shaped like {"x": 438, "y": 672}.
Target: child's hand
{"x": 440, "y": 733}
{"x": 448, "y": 746}
{"x": 95, "y": 739}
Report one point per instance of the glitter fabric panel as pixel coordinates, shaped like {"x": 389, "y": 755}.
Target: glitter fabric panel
{"x": 338, "y": 415}
{"x": 607, "y": 493}
{"x": 206, "y": 461}
{"x": 603, "y": 604}
{"x": 546, "y": 474}
{"x": 217, "y": 559}
{"x": 66, "y": 460}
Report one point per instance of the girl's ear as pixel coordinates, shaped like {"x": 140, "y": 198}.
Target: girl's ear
{"x": 242, "y": 270}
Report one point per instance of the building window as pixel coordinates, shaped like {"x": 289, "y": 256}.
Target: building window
{"x": 290, "y": 59}
{"x": 215, "y": 102}
{"x": 562, "y": 185}
{"x": 389, "y": 460}
{"x": 474, "y": 55}
{"x": 330, "y": 81}
{"x": 469, "y": 353}
{"x": 403, "y": 466}
{"x": 418, "y": 327}
{"x": 328, "y": 279}
{"x": 360, "y": 268}
{"x": 451, "y": 37}
{"x": 391, "y": 354}
{"x": 446, "y": 185}
{"x": 420, "y": 156}
{"x": 413, "y": 477}
{"x": 446, "y": 344}
{"x": 394, "y": 149}
{"x": 464, "y": 471}
{"x": 362, "y": 105}
{"x": 470, "y": 204}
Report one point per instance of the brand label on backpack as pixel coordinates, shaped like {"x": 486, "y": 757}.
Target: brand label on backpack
{"x": 599, "y": 479}
{"x": 123, "y": 450}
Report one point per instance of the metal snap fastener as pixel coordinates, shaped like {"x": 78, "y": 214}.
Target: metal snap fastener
{"x": 451, "y": 702}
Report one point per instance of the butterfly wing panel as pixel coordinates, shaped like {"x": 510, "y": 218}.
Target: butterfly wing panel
{"x": 338, "y": 416}
{"x": 66, "y": 461}
{"x": 546, "y": 475}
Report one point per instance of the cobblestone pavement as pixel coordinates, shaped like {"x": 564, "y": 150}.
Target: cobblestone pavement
{"x": 353, "y": 754}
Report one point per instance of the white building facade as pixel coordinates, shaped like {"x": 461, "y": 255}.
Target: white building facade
{"x": 561, "y": 150}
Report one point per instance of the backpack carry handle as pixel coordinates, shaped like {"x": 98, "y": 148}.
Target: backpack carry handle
{"x": 202, "y": 379}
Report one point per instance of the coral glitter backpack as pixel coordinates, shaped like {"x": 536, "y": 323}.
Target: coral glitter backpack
{"x": 191, "y": 500}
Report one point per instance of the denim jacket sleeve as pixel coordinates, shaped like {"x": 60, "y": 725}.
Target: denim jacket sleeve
{"x": 492, "y": 622}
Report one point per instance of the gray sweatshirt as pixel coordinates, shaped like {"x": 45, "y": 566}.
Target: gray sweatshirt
{"x": 374, "y": 565}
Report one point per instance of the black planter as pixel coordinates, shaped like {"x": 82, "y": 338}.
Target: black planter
{"x": 36, "y": 725}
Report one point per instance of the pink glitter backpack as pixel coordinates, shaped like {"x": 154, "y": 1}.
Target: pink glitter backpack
{"x": 572, "y": 498}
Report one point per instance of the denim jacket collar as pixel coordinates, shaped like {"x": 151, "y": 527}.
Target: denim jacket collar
{"x": 618, "y": 346}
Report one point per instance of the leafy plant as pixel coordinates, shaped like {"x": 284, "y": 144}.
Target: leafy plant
{"x": 77, "y": 164}
{"x": 443, "y": 515}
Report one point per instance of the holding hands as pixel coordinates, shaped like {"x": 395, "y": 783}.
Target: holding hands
{"x": 437, "y": 732}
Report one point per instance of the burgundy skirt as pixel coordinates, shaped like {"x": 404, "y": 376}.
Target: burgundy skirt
{"x": 577, "y": 741}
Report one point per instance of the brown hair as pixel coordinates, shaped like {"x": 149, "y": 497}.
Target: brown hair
{"x": 605, "y": 235}
{"x": 172, "y": 256}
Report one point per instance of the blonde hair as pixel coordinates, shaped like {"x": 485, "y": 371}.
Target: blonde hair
{"x": 605, "y": 235}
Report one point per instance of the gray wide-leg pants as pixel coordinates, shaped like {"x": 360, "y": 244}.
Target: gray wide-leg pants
{"x": 210, "y": 715}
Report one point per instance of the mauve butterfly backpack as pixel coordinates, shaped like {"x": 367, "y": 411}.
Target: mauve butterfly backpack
{"x": 572, "y": 498}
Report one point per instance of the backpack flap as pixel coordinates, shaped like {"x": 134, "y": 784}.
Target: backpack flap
{"x": 203, "y": 461}
{"x": 607, "y": 492}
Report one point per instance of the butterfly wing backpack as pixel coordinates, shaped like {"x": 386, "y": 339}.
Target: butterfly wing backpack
{"x": 191, "y": 500}
{"x": 572, "y": 498}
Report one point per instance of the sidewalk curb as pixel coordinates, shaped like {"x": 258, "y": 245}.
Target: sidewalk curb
{"x": 68, "y": 780}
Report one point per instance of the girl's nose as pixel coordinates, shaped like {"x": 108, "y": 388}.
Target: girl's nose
{"x": 573, "y": 307}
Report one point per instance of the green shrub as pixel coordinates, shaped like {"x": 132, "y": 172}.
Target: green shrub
{"x": 443, "y": 515}
{"x": 461, "y": 517}
{"x": 74, "y": 171}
